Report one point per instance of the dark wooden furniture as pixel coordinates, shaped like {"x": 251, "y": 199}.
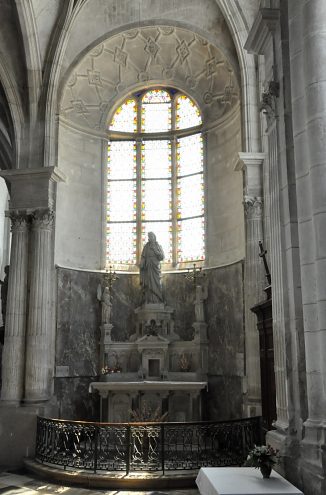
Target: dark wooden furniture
{"x": 263, "y": 312}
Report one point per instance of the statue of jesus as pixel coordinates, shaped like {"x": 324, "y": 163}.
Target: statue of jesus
{"x": 150, "y": 271}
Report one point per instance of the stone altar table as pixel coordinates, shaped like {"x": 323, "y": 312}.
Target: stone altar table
{"x": 242, "y": 481}
{"x": 118, "y": 398}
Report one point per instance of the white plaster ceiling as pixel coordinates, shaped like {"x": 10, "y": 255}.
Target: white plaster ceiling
{"x": 143, "y": 57}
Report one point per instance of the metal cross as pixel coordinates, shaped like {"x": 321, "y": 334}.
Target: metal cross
{"x": 262, "y": 255}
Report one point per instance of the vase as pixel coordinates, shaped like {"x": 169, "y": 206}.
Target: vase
{"x": 266, "y": 470}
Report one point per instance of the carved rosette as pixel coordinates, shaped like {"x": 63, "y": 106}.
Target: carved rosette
{"x": 253, "y": 206}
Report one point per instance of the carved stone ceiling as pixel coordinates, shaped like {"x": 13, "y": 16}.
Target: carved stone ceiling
{"x": 144, "y": 57}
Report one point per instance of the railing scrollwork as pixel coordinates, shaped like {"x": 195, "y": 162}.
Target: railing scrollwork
{"x": 131, "y": 447}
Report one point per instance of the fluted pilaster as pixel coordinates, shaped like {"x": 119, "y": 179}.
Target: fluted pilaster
{"x": 252, "y": 165}
{"x": 277, "y": 275}
{"x": 254, "y": 280}
{"x": 39, "y": 341}
{"x": 13, "y": 359}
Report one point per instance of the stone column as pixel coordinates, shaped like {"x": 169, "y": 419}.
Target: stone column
{"x": 252, "y": 165}
{"x": 39, "y": 342}
{"x": 314, "y": 32}
{"x": 13, "y": 359}
{"x": 307, "y": 58}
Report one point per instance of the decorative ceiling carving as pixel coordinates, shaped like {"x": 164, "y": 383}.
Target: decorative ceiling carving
{"x": 144, "y": 57}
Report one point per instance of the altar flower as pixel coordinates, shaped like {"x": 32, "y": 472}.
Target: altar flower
{"x": 263, "y": 457}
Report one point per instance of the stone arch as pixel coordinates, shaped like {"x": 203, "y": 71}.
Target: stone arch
{"x": 13, "y": 108}
{"x": 250, "y": 114}
{"x": 64, "y": 53}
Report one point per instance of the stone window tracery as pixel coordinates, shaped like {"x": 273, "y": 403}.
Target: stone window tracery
{"x": 155, "y": 178}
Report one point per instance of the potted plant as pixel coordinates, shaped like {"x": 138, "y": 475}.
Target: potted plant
{"x": 263, "y": 457}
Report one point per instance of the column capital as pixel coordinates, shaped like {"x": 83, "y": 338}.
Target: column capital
{"x": 42, "y": 218}
{"x": 20, "y": 220}
{"x": 253, "y": 206}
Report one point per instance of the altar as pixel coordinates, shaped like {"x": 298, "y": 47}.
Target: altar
{"x": 179, "y": 400}
{"x": 154, "y": 374}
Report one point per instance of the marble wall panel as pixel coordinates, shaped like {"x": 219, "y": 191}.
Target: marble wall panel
{"x": 74, "y": 400}
{"x": 78, "y": 320}
{"x": 78, "y": 333}
{"x": 224, "y": 398}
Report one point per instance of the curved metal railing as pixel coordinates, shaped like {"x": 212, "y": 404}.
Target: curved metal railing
{"x": 144, "y": 446}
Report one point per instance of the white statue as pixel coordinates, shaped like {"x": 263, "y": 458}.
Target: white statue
{"x": 104, "y": 296}
{"x": 150, "y": 271}
{"x": 201, "y": 295}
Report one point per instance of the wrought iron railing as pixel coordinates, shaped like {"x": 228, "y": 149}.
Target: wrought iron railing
{"x": 144, "y": 446}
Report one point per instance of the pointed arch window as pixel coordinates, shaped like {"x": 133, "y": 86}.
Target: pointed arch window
{"x": 155, "y": 178}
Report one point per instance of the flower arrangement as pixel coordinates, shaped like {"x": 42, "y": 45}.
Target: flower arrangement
{"x": 148, "y": 413}
{"x": 184, "y": 362}
{"x": 263, "y": 457}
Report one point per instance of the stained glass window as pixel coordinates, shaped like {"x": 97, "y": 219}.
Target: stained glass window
{"x": 125, "y": 118}
{"x": 121, "y": 243}
{"x": 156, "y": 200}
{"x": 187, "y": 113}
{"x": 191, "y": 241}
{"x": 121, "y": 160}
{"x": 156, "y": 159}
{"x": 155, "y": 183}
{"x": 190, "y": 196}
{"x": 156, "y": 111}
{"x": 190, "y": 154}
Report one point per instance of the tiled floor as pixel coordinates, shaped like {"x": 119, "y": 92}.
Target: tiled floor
{"x": 25, "y": 484}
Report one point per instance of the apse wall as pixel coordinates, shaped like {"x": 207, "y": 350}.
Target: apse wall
{"x": 80, "y": 217}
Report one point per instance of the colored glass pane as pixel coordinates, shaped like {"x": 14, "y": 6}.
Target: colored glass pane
{"x": 187, "y": 113}
{"x": 156, "y": 117}
{"x": 121, "y": 243}
{"x": 163, "y": 232}
{"x": 121, "y": 160}
{"x": 189, "y": 155}
{"x": 191, "y": 243}
{"x": 156, "y": 159}
{"x": 190, "y": 196}
{"x": 156, "y": 199}
{"x": 121, "y": 204}
{"x": 156, "y": 111}
{"x": 156, "y": 96}
{"x": 125, "y": 118}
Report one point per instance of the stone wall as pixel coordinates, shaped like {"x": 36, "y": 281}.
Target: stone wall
{"x": 78, "y": 334}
